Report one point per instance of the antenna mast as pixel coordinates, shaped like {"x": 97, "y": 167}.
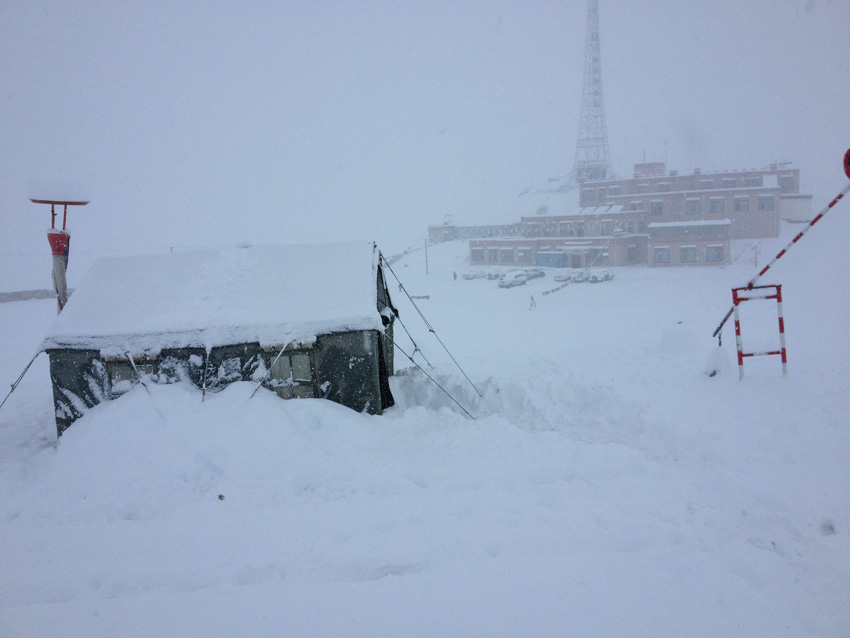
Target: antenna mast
{"x": 593, "y": 159}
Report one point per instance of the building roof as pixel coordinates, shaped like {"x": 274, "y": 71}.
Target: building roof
{"x": 267, "y": 294}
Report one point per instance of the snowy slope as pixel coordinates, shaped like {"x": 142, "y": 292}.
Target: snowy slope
{"x": 606, "y": 486}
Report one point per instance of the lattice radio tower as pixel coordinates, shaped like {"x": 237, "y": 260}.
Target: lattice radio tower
{"x": 593, "y": 159}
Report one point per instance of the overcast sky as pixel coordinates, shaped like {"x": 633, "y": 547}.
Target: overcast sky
{"x": 213, "y": 123}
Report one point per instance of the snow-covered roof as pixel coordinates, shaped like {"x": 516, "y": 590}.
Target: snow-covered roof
{"x": 270, "y": 294}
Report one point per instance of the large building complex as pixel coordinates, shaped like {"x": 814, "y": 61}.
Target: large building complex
{"x": 656, "y": 217}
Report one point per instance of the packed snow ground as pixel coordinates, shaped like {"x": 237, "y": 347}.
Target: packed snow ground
{"x": 606, "y": 487}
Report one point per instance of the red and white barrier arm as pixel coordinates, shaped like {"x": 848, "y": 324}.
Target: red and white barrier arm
{"x": 799, "y": 236}
{"x": 782, "y": 252}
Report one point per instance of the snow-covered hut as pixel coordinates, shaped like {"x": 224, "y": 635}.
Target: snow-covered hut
{"x": 311, "y": 320}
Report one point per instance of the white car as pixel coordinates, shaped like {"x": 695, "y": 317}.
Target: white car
{"x": 513, "y": 278}
{"x": 595, "y": 277}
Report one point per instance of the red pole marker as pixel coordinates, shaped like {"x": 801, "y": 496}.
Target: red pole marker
{"x": 847, "y": 163}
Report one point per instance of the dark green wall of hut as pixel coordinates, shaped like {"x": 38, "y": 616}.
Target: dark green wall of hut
{"x": 350, "y": 368}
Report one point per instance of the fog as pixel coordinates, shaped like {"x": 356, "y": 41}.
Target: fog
{"x": 198, "y": 124}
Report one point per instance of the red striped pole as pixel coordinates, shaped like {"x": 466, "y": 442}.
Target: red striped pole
{"x": 799, "y": 236}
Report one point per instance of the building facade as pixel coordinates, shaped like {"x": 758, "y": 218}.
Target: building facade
{"x": 751, "y": 199}
{"x": 656, "y": 217}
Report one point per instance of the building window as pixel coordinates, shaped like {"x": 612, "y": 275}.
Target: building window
{"x": 786, "y": 184}
{"x": 587, "y": 195}
{"x": 524, "y": 255}
{"x": 664, "y": 187}
{"x": 506, "y": 255}
{"x": 637, "y": 205}
{"x": 728, "y": 182}
{"x": 742, "y": 204}
{"x": 716, "y": 206}
{"x": 662, "y": 255}
{"x": 643, "y": 188}
{"x": 692, "y": 206}
{"x": 688, "y": 254}
{"x": 706, "y": 184}
{"x": 493, "y": 255}
{"x": 765, "y": 203}
{"x": 714, "y": 254}
{"x": 752, "y": 182}
{"x": 606, "y": 228}
{"x": 656, "y": 208}
{"x": 632, "y": 254}
{"x": 615, "y": 190}
{"x": 477, "y": 255}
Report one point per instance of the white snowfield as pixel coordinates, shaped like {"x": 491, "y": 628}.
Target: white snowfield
{"x": 607, "y": 486}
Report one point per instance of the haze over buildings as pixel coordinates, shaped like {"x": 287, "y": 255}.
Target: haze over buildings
{"x": 213, "y": 124}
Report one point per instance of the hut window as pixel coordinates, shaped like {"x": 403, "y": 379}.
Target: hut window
{"x": 122, "y": 377}
{"x": 292, "y": 376}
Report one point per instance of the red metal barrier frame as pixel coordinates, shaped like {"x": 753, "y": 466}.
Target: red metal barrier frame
{"x": 752, "y": 293}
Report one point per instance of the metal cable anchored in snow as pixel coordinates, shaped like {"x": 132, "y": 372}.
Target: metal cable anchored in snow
{"x": 269, "y": 371}
{"x": 18, "y": 381}
{"x": 429, "y": 326}
{"x": 781, "y": 253}
{"x": 434, "y": 381}
{"x": 144, "y": 385}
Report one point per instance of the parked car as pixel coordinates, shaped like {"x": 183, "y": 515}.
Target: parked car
{"x": 535, "y": 273}
{"x": 563, "y": 275}
{"x": 513, "y": 278}
{"x": 474, "y": 274}
{"x": 578, "y": 277}
{"x": 594, "y": 276}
